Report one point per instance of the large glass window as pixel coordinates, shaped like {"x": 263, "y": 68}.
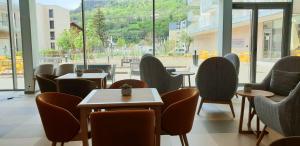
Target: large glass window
{"x": 241, "y": 36}
{"x": 17, "y": 44}
{"x": 62, "y": 40}
{"x": 6, "y": 77}
{"x": 295, "y": 33}
{"x": 269, "y": 41}
{"x": 11, "y": 60}
{"x": 117, "y": 34}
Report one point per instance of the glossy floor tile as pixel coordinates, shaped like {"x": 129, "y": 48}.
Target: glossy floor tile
{"x": 20, "y": 125}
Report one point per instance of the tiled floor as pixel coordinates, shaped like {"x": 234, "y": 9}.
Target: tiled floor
{"x": 20, "y": 125}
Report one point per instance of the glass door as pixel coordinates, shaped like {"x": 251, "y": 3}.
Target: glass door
{"x": 263, "y": 28}
{"x": 269, "y": 40}
{"x": 241, "y": 40}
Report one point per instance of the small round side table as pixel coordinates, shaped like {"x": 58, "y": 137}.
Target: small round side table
{"x": 184, "y": 73}
{"x": 250, "y": 96}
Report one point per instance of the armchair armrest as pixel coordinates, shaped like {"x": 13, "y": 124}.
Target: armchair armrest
{"x": 268, "y": 111}
{"x": 258, "y": 86}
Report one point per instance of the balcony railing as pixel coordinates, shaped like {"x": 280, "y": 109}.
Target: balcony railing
{"x": 207, "y": 23}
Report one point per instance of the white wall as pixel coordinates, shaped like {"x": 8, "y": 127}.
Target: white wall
{"x": 61, "y": 22}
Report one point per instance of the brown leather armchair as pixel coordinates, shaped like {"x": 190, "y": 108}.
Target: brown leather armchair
{"x": 60, "y": 116}
{"x": 287, "y": 141}
{"x": 77, "y": 87}
{"x": 46, "y": 82}
{"x": 132, "y": 82}
{"x": 123, "y": 128}
{"x": 178, "y": 112}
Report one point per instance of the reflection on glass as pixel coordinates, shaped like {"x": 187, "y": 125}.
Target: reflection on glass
{"x": 17, "y": 43}
{"x": 241, "y": 36}
{"x": 6, "y": 79}
{"x": 295, "y": 38}
{"x": 269, "y": 41}
{"x": 59, "y": 31}
{"x": 118, "y": 33}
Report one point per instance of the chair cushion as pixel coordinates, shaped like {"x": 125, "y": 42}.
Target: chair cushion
{"x": 283, "y": 82}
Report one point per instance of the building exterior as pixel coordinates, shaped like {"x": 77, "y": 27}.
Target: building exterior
{"x": 176, "y": 29}
{"x": 4, "y": 29}
{"x": 51, "y": 22}
{"x": 204, "y": 28}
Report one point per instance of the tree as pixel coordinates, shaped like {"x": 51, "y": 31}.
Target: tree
{"x": 99, "y": 26}
{"x": 121, "y": 42}
{"x": 66, "y": 40}
{"x": 187, "y": 40}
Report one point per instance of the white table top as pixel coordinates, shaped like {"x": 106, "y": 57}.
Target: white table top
{"x": 183, "y": 73}
{"x": 84, "y": 76}
{"x": 112, "y": 98}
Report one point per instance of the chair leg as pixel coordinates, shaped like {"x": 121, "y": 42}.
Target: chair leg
{"x": 200, "y": 106}
{"x": 261, "y": 136}
{"x": 53, "y": 143}
{"x": 232, "y": 110}
{"x": 185, "y": 140}
{"x": 181, "y": 140}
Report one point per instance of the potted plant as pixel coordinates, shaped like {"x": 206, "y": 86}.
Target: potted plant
{"x": 126, "y": 90}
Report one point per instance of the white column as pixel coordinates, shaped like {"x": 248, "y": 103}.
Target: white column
{"x": 29, "y": 41}
{"x": 225, "y": 27}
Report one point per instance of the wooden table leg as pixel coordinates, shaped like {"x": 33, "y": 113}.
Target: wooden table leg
{"x": 104, "y": 83}
{"x": 84, "y": 126}
{"x": 242, "y": 115}
{"x": 257, "y": 126}
{"x": 183, "y": 80}
{"x": 157, "y": 127}
{"x": 249, "y": 116}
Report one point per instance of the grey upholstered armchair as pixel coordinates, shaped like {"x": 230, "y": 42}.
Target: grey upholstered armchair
{"x": 281, "y": 113}
{"x": 234, "y": 59}
{"x": 155, "y": 75}
{"x": 288, "y": 64}
{"x": 216, "y": 80}
{"x": 283, "y": 116}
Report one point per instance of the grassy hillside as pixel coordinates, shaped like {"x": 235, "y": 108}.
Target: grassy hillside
{"x": 131, "y": 20}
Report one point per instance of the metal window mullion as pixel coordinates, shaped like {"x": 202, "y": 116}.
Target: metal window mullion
{"x": 153, "y": 28}
{"x": 12, "y": 50}
{"x": 253, "y": 57}
{"x": 83, "y": 35}
{"x": 286, "y": 30}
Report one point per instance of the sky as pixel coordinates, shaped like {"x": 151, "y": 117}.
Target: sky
{"x": 69, "y": 4}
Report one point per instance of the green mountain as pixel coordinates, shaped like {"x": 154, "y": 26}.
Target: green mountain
{"x": 132, "y": 20}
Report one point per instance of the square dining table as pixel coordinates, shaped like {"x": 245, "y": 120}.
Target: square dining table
{"x": 99, "y": 78}
{"x": 145, "y": 98}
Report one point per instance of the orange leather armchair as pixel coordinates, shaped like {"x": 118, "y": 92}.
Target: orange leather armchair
{"x": 123, "y": 128}
{"x": 60, "y": 116}
{"x": 46, "y": 82}
{"x": 178, "y": 112}
{"x": 77, "y": 87}
{"x": 132, "y": 82}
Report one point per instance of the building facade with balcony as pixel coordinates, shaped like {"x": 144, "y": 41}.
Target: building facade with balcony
{"x": 204, "y": 29}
